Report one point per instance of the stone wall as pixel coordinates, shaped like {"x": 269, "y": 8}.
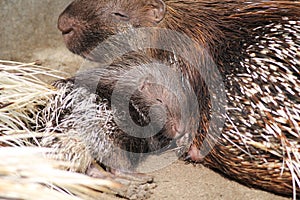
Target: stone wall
{"x": 27, "y": 25}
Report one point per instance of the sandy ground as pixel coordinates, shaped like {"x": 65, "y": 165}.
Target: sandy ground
{"x": 177, "y": 180}
{"x": 185, "y": 181}
{"x": 181, "y": 181}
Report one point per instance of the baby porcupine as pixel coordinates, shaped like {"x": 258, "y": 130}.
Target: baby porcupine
{"x": 105, "y": 132}
{"x": 255, "y": 45}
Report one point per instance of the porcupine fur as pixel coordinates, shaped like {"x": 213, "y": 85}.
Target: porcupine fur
{"x": 255, "y": 45}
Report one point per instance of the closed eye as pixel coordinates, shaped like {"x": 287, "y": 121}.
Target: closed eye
{"x": 121, "y": 16}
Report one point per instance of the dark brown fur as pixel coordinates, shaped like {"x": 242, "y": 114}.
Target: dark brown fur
{"x": 224, "y": 28}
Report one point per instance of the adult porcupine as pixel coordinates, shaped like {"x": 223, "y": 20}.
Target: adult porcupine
{"x": 255, "y": 45}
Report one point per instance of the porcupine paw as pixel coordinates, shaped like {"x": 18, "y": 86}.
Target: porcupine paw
{"x": 193, "y": 155}
{"x": 135, "y": 186}
{"x": 138, "y": 186}
{"x": 141, "y": 190}
{"x": 96, "y": 171}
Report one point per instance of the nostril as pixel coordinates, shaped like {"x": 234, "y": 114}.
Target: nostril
{"x": 66, "y": 25}
{"x": 67, "y": 31}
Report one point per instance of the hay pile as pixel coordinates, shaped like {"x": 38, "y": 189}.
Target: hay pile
{"x": 38, "y": 161}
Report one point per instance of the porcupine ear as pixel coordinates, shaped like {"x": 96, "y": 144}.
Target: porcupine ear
{"x": 157, "y": 9}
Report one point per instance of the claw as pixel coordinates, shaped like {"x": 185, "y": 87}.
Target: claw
{"x": 188, "y": 158}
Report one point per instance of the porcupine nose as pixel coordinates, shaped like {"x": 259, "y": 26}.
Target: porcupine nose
{"x": 71, "y": 31}
{"x": 66, "y": 25}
